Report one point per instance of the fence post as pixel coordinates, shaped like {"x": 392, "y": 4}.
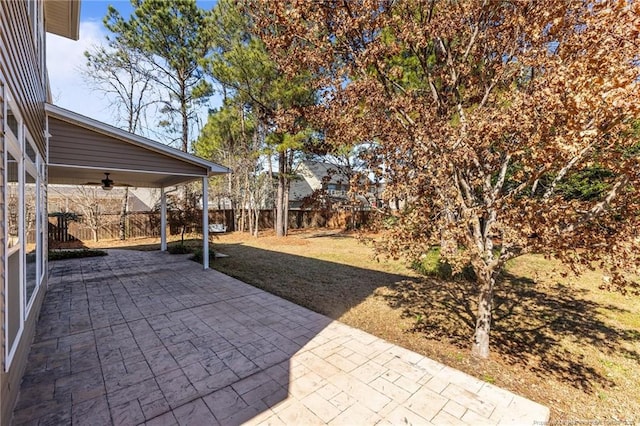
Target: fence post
{"x": 163, "y": 220}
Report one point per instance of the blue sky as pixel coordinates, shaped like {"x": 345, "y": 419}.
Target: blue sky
{"x": 66, "y": 57}
{"x": 95, "y": 10}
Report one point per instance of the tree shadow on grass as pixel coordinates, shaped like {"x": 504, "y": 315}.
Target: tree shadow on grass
{"x": 326, "y": 287}
{"x": 538, "y": 327}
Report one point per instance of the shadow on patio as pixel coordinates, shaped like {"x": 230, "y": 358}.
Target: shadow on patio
{"x": 139, "y": 337}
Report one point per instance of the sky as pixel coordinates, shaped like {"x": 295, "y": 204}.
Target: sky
{"x": 65, "y": 59}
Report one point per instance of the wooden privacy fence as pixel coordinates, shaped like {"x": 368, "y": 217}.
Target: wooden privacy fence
{"x": 66, "y": 228}
{"x": 63, "y": 228}
{"x": 298, "y": 219}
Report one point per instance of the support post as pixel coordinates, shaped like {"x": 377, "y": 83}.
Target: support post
{"x": 163, "y": 220}
{"x": 205, "y": 222}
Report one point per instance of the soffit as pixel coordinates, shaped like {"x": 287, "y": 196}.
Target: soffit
{"x": 82, "y": 150}
{"x": 62, "y": 17}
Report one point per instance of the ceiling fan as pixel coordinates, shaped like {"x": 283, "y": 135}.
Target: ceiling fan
{"x": 107, "y": 184}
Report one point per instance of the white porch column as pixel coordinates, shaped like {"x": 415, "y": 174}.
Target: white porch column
{"x": 205, "y": 222}
{"x": 163, "y": 220}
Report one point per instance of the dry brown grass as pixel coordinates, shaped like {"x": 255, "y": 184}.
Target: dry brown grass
{"x": 559, "y": 341}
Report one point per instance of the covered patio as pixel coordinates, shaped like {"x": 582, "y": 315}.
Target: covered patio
{"x": 83, "y": 151}
{"x": 151, "y": 338}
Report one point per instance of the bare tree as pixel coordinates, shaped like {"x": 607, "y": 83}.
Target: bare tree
{"x": 91, "y": 203}
{"x": 125, "y": 77}
{"x": 233, "y": 137}
{"x": 172, "y": 37}
{"x": 184, "y": 211}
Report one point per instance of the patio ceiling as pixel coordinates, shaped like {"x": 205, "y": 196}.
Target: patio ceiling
{"x": 82, "y": 150}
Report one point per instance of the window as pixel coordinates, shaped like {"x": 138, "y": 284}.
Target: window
{"x": 43, "y": 228}
{"x": 13, "y": 201}
{"x": 30, "y": 227}
{"x": 12, "y": 123}
{"x": 30, "y": 220}
{"x": 14, "y": 237}
{"x": 29, "y": 150}
{"x": 25, "y": 218}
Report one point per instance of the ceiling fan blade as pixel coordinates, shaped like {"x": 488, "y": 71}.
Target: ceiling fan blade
{"x": 123, "y": 185}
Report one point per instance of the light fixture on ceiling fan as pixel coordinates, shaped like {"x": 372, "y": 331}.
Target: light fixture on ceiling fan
{"x": 107, "y": 184}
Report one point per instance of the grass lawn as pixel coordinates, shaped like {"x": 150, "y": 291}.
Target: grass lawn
{"x": 558, "y": 341}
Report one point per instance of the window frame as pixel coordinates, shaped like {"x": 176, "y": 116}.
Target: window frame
{"x": 14, "y": 147}
{"x": 43, "y": 228}
{"x": 30, "y": 167}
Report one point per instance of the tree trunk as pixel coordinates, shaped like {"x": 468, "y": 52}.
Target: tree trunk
{"x": 184, "y": 112}
{"x": 243, "y": 212}
{"x": 235, "y": 198}
{"x": 285, "y": 204}
{"x": 123, "y": 215}
{"x": 280, "y": 230}
{"x": 257, "y": 213}
{"x": 250, "y": 216}
{"x": 480, "y": 345}
{"x": 234, "y": 216}
{"x": 270, "y": 168}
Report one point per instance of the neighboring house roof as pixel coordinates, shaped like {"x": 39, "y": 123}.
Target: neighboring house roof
{"x": 82, "y": 149}
{"x": 315, "y": 172}
{"x": 312, "y": 175}
{"x": 146, "y": 199}
{"x": 62, "y": 17}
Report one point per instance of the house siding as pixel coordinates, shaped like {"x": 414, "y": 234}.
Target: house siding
{"x": 20, "y": 67}
{"x": 97, "y": 151}
{"x": 21, "y": 72}
{"x": 313, "y": 176}
{"x": 3, "y": 398}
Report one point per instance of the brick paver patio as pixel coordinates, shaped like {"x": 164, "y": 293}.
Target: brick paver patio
{"x": 147, "y": 337}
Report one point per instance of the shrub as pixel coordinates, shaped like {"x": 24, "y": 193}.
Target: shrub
{"x": 179, "y": 249}
{"x": 431, "y": 266}
{"x": 197, "y": 255}
{"x": 74, "y": 254}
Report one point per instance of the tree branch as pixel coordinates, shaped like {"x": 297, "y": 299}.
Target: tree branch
{"x": 563, "y": 171}
{"x": 501, "y": 178}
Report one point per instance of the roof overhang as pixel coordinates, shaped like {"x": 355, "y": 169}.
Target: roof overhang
{"x": 82, "y": 149}
{"x": 62, "y": 17}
